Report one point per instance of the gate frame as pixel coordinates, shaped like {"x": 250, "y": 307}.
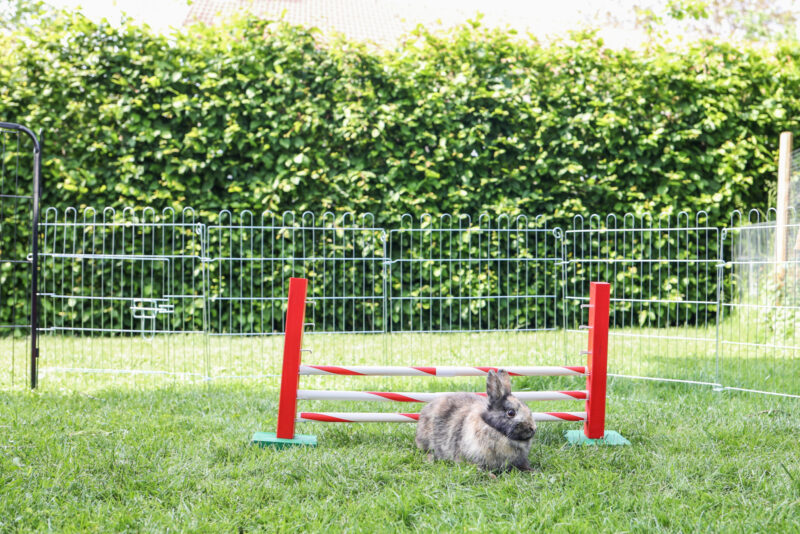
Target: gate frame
{"x": 33, "y": 258}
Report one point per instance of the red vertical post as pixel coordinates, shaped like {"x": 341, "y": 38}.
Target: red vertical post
{"x": 599, "y": 299}
{"x": 292, "y": 342}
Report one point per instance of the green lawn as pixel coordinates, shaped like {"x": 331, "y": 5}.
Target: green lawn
{"x": 111, "y": 452}
{"x": 178, "y": 458}
{"x": 682, "y": 353}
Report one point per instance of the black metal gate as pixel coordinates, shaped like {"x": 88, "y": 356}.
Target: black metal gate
{"x": 20, "y": 168}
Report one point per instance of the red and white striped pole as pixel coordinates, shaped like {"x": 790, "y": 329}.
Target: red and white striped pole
{"x": 369, "y": 370}
{"x": 524, "y": 396}
{"x": 599, "y": 299}
{"x": 292, "y": 342}
{"x": 381, "y": 417}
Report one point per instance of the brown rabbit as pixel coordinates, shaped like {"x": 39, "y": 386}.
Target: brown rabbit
{"x": 493, "y": 432}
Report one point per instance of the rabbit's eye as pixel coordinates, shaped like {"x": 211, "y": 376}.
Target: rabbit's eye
{"x": 511, "y": 413}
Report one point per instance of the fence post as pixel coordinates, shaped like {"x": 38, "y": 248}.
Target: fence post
{"x": 37, "y": 170}
{"x": 784, "y": 176}
{"x": 562, "y": 264}
{"x": 599, "y": 296}
{"x": 720, "y": 309}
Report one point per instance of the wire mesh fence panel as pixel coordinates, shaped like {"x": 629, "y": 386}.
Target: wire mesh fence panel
{"x": 473, "y": 292}
{"x": 122, "y": 293}
{"x": 761, "y": 306}
{"x": 133, "y": 294}
{"x": 664, "y": 277}
{"x": 794, "y": 184}
{"x": 252, "y": 257}
{"x": 18, "y": 151}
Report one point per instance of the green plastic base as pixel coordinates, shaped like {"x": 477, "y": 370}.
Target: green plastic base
{"x": 269, "y": 439}
{"x": 577, "y": 437}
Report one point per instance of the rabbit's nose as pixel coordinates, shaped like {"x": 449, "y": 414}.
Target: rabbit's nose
{"x": 526, "y": 430}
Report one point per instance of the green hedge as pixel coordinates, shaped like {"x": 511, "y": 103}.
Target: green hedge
{"x": 258, "y": 115}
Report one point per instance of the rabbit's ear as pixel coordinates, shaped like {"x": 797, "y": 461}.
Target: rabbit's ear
{"x": 505, "y": 379}
{"x": 498, "y": 385}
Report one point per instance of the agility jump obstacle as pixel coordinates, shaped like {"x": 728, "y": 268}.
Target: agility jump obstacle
{"x": 594, "y": 395}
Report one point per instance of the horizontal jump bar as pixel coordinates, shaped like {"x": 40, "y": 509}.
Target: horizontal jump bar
{"x": 357, "y": 370}
{"x": 344, "y": 417}
{"x": 525, "y": 396}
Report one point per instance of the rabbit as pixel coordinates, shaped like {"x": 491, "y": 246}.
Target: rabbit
{"x": 494, "y": 432}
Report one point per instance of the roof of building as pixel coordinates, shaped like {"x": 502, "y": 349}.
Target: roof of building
{"x": 382, "y": 22}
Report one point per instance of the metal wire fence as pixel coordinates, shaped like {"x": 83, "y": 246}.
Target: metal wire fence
{"x": 172, "y": 293}
{"x": 664, "y": 276}
{"x": 473, "y": 291}
{"x": 108, "y": 278}
{"x": 250, "y": 260}
{"x": 452, "y": 275}
{"x": 760, "y": 308}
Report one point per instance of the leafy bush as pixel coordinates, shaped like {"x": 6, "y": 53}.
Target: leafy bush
{"x": 258, "y": 115}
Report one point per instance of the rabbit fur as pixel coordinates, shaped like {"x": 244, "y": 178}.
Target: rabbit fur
{"x": 493, "y": 432}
